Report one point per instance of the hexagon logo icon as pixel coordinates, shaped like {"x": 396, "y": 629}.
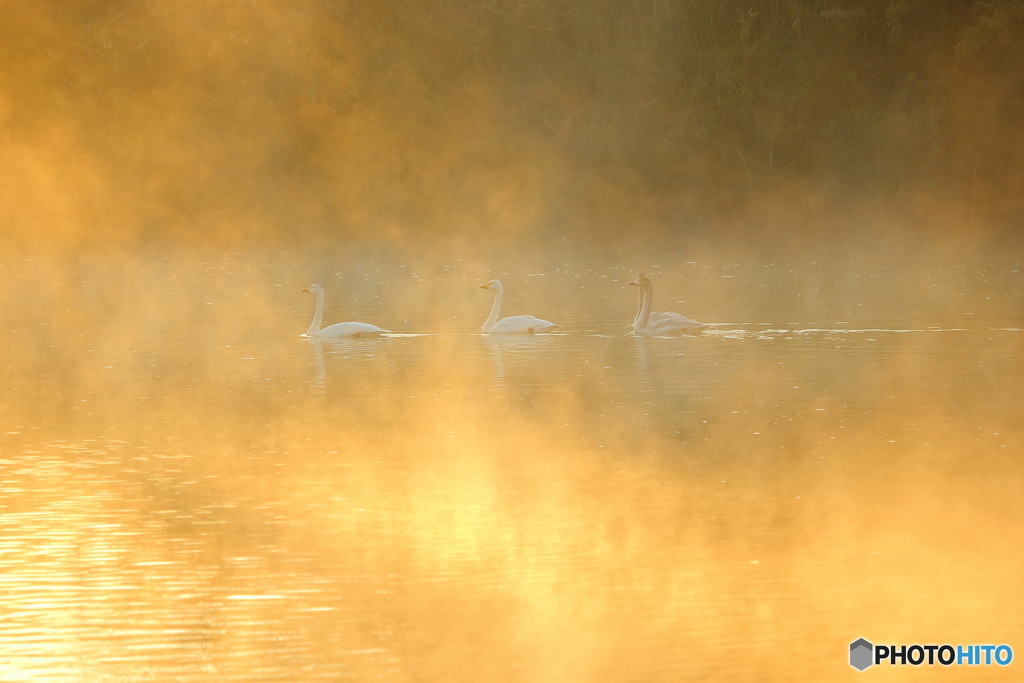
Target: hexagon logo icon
{"x": 861, "y": 654}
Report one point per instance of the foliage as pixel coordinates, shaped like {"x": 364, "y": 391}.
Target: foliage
{"x": 354, "y": 115}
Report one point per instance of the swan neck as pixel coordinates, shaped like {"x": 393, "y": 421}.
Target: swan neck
{"x": 319, "y": 316}
{"x": 645, "y": 309}
{"x": 495, "y": 310}
{"x": 639, "y": 308}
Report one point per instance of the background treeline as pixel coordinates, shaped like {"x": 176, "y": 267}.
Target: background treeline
{"x": 362, "y": 118}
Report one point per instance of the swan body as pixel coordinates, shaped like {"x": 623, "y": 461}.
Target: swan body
{"x": 514, "y": 324}
{"x": 647, "y": 324}
{"x": 338, "y": 329}
{"x": 654, "y": 315}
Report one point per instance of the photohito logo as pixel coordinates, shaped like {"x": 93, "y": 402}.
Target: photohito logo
{"x": 863, "y": 654}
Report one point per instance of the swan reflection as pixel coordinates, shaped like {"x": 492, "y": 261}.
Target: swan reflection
{"x": 345, "y": 347}
{"x": 513, "y": 347}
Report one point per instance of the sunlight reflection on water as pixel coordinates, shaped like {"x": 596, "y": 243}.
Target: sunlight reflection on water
{"x": 192, "y": 491}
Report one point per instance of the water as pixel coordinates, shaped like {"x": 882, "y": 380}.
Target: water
{"x": 191, "y": 491}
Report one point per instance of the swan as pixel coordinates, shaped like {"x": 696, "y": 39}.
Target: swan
{"x": 655, "y": 316}
{"x": 338, "y": 329}
{"x": 671, "y": 323}
{"x": 514, "y": 324}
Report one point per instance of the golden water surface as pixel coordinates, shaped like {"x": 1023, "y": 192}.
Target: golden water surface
{"x": 191, "y": 491}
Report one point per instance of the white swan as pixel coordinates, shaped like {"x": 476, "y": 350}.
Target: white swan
{"x": 670, "y": 324}
{"x": 655, "y": 316}
{"x": 514, "y": 324}
{"x": 338, "y": 329}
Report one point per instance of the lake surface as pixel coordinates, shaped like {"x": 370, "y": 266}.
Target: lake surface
{"x": 191, "y": 491}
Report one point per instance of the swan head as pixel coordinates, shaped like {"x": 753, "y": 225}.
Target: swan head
{"x": 494, "y": 285}
{"x": 314, "y": 289}
{"x": 641, "y": 281}
{"x": 639, "y": 276}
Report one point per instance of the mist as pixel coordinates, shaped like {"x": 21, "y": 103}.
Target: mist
{"x": 411, "y": 122}
{"x": 196, "y": 485}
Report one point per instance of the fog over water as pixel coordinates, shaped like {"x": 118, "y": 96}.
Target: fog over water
{"x": 192, "y": 490}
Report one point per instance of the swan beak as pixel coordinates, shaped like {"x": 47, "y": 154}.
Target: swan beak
{"x": 487, "y": 286}
{"x": 307, "y": 289}
{"x": 633, "y": 284}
